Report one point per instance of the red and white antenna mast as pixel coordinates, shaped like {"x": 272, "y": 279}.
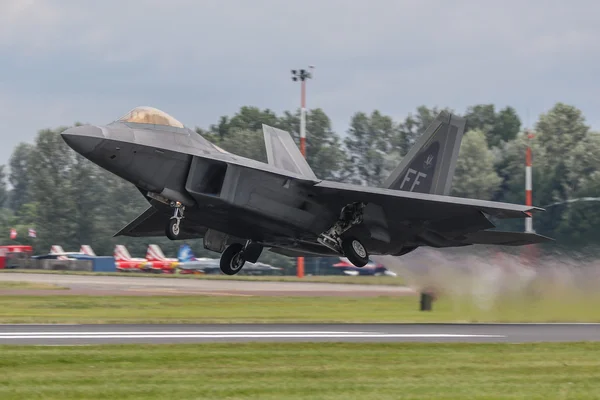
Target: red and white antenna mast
{"x": 528, "y": 183}
{"x": 302, "y": 75}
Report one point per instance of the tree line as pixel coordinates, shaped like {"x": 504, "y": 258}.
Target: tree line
{"x": 70, "y": 201}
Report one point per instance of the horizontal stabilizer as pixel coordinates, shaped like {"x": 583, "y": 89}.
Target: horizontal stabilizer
{"x": 505, "y": 238}
{"x": 283, "y": 153}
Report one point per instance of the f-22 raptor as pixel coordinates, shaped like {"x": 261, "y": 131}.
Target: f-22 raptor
{"x": 241, "y": 206}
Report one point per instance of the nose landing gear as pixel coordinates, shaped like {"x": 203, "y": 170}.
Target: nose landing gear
{"x": 173, "y": 228}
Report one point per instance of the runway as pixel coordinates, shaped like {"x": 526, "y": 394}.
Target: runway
{"x": 152, "y": 286}
{"x": 121, "y": 334}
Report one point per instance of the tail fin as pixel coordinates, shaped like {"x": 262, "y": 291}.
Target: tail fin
{"x": 87, "y": 250}
{"x": 121, "y": 253}
{"x": 185, "y": 253}
{"x": 56, "y": 249}
{"x": 154, "y": 253}
{"x": 429, "y": 165}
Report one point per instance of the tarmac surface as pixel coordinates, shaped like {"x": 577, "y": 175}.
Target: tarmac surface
{"x": 471, "y": 333}
{"x": 152, "y": 286}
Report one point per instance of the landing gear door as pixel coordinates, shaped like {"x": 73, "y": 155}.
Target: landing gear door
{"x": 215, "y": 240}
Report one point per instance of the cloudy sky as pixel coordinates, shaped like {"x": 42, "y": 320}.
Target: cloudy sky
{"x": 91, "y": 61}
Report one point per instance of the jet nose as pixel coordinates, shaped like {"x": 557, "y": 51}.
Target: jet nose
{"x": 83, "y": 139}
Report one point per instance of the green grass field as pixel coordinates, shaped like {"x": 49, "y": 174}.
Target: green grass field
{"x": 325, "y": 371}
{"x": 29, "y": 286}
{"x": 229, "y": 309}
{"x": 362, "y": 280}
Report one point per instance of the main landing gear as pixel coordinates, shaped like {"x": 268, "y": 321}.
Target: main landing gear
{"x": 236, "y": 254}
{"x": 173, "y": 229}
{"x": 349, "y": 246}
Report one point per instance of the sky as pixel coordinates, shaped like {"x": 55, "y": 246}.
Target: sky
{"x": 63, "y": 61}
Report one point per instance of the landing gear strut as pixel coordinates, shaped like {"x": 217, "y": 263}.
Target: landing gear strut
{"x": 173, "y": 229}
{"x": 351, "y": 247}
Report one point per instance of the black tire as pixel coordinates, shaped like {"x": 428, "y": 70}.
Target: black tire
{"x": 232, "y": 259}
{"x": 355, "y": 251}
{"x": 173, "y": 229}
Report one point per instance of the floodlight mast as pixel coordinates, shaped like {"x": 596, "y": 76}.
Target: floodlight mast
{"x": 302, "y": 75}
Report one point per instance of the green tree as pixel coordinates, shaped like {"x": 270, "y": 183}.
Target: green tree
{"x": 475, "y": 176}
{"x": 559, "y": 131}
{"x": 369, "y": 145}
{"x": 506, "y": 127}
{"x": 413, "y": 126}
{"x": 578, "y": 223}
{"x": 324, "y": 151}
{"x": 50, "y": 164}
{"x": 3, "y": 189}
{"x": 498, "y": 127}
{"x": 244, "y": 142}
{"x": 19, "y": 177}
{"x": 251, "y": 118}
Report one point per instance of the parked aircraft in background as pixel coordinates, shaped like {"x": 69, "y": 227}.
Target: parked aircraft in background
{"x": 58, "y": 253}
{"x": 156, "y": 257}
{"x": 372, "y": 268}
{"x": 87, "y": 250}
{"x": 188, "y": 263}
{"x": 240, "y": 206}
{"x": 124, "y": 262}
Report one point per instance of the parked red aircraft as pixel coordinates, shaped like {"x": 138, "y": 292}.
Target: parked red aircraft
{"x": 124, "y": 262}
{"x": 156, "y": 257}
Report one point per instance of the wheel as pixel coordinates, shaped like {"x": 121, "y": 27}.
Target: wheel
{"x": 232, "y": 259}
{"x": 355, "y": 252}
{"x": 173, "y": 229}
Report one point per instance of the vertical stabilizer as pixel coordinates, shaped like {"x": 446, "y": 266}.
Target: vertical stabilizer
{"x": 121, "y": 253}
{"x": 87, "y": 250}
{"x": 429, "y": 165}
{"x": 185, "y": 253}
{"x": 56, "y": 249}
{"x": 283, "y": 153}
{"x": 155, "y": 253}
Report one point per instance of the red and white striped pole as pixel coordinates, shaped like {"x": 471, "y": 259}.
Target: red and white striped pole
{"x": 303, "y": 118}
{"x": 530, "y": 251}
{"x": 528, "y": 185}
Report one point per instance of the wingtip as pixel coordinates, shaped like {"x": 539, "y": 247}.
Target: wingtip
{"x": 536, "y": 209}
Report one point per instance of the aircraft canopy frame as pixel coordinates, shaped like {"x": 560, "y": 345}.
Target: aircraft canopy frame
{"x": 150, "y": 115}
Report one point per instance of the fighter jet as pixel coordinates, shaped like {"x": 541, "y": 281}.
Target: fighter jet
{"x": 241, "y": 206}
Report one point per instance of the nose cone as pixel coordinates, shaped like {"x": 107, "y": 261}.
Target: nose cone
{"x": 83, "y": 139}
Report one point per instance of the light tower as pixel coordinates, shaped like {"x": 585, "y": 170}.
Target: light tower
{"x": 302, "y": 75}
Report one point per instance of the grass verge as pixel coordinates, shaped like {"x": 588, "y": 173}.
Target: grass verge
{"x": 325, "y": 371}
{"x": 255, "y": 309}
{"x": 29, "y": 286}
{"x": 361, "y": 280}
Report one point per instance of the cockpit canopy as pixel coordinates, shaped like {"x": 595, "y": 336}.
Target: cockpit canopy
{"x": 150, "y": 115}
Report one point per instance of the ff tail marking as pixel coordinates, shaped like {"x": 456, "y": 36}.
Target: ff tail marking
{"x": 429, "y": 165}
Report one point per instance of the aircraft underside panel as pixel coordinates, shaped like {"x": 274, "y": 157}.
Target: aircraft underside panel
{"x": 262, "y": 198}
{"x": 504, "y": 238}
{"x": 152, "y": 223}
